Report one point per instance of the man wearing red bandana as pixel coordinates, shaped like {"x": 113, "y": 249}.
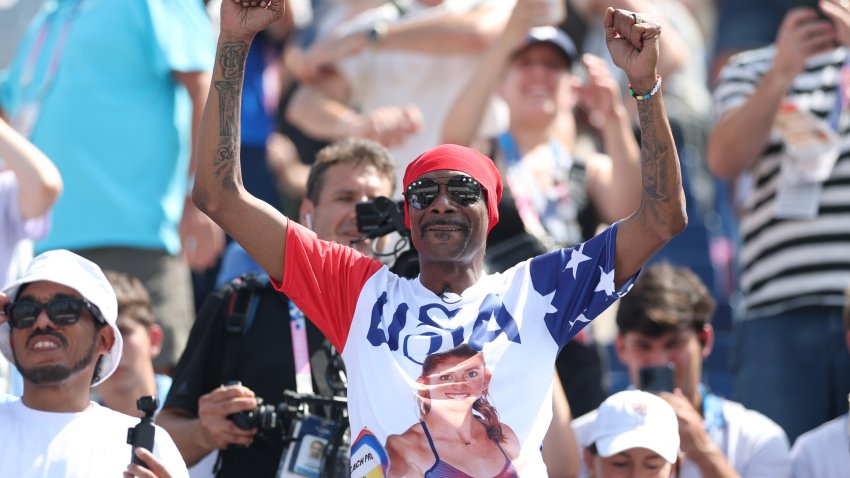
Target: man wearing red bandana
{"x": 450, "y": 373}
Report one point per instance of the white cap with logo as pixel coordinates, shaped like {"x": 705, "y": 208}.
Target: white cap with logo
{"x": 635, "y": 419}
{"x": 68, "y": 269}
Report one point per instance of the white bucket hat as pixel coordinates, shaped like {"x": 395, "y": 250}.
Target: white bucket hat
{"x": 68, "y": 269}
{"x": 635, "y": 419}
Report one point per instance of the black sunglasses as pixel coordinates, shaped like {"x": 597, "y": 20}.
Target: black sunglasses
{"x": 462, "y": 190}
{"x": 61, "y": 311}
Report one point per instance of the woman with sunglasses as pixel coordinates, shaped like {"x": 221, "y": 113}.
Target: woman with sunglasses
{"x": 386, "y": 326}
{"x": 454, "y": 410}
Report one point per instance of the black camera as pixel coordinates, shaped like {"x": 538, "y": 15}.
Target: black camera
{"x": 263, "y": 417}
{"x": 285, "y": 418}
{"x": 381, "y": 216}
{"x": 142, "y": 435}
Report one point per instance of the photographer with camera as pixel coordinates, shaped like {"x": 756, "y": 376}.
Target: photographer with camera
{"x": 62, "y": 336}
{"x": 198, "y": 407}
{"x": 666, "y": 320}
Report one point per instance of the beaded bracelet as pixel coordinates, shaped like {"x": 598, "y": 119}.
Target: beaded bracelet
{"x": 648, "y": 95}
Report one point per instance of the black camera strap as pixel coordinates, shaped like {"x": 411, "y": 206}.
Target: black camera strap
{"x": 242, "y": 304}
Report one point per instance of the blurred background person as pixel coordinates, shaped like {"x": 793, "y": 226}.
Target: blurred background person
{"x": 745, "y": 25}
{"x": 29, "y": 186}
{"x": 382, "y": 76}
{"x": 134, "y": 377}
{"x": 665, "y": 320}
{"x": 782, "y": 119}
{"x": 117, "y": 117}
{"x": 823, "y": 452}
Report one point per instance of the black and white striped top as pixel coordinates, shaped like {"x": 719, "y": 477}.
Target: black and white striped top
{"x": 791, "y": 263}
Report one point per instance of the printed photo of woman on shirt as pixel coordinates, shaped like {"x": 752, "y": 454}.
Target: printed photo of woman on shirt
{"x": 459, "y": 433}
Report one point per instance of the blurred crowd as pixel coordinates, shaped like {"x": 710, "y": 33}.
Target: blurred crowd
{"x": 101, "y": 102}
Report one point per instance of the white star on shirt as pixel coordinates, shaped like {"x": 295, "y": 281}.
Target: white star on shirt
{"x": 543, "y": 302}
{"x": 606, "y": 282}
{"x": 580, "y": 318}
{"x": 576, "y": 258}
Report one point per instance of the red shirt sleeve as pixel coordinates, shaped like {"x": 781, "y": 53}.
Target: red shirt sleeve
{"x": 324, "y": 280}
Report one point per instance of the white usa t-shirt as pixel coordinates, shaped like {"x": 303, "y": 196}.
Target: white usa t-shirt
{"x": 386, "y": 326}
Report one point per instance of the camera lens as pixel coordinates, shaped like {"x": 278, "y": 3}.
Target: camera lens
{"x": 263, "y": 417}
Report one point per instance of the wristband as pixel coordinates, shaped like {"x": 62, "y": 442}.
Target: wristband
{"x": 648, "y": 95}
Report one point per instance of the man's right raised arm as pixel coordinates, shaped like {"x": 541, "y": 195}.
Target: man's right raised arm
{"x": 218, "y": 190}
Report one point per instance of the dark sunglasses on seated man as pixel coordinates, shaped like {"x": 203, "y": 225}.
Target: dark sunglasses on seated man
{"x": 61, "y": 311}
{"x": 462, "y": 190}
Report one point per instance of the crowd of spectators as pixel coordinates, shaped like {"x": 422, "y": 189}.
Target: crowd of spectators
{"x": 102, "y": 102}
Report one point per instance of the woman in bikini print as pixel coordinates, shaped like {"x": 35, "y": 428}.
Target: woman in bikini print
{"x": 459, "y": 433}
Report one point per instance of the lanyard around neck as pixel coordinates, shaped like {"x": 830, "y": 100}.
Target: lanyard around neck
{"x": 28, "y": 74}
{"x": 300, "y": 350}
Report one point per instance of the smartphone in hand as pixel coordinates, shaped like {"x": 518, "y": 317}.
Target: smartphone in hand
{"x": 813, "y": 4}
{"x": 656, "y": 379}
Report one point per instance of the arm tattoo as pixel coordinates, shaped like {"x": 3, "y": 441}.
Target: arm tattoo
{"x": 654, "y": 168}
{"x": 229, "y": 97}
{"x": 231, "y": 60}
{"x": 226, "y": 158}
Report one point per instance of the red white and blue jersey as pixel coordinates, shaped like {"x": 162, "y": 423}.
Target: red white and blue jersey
{"x": 385, "y": 326}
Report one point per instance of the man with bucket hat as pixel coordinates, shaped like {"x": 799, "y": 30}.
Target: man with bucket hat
{"x": 58, "y": 328}
{"x": 385, "y": 326}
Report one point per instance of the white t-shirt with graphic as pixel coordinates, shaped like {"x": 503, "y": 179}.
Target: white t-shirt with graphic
{"x": 386, "y": 326}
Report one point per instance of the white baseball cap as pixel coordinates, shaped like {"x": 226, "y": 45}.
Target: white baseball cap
{"x": 68, "y": 269}
{"x": 635, "y": 419}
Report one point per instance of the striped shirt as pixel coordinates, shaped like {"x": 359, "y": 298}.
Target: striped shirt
{"x": 791, "y": 263}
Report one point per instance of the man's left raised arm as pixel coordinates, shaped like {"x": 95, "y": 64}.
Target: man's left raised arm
{"x": 633, "y": 41}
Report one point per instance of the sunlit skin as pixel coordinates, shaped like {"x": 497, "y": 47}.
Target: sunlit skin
{"x": 134, "y": 376}
{"x": 631, "y": 463}
{"x": 685, "y": 349}
{"x": 451, "y": 390}
{"x": 450, "y": 238}
{"x": 333, "y": 218}
{"x": 47, "y": 345}
{"x": 535, "y": 85}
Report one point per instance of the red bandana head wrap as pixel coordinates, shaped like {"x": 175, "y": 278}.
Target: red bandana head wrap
{"x": 451, "y": 157}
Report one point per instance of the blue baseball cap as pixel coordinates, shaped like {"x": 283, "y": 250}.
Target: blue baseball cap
{"x": 555, "y": 37}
